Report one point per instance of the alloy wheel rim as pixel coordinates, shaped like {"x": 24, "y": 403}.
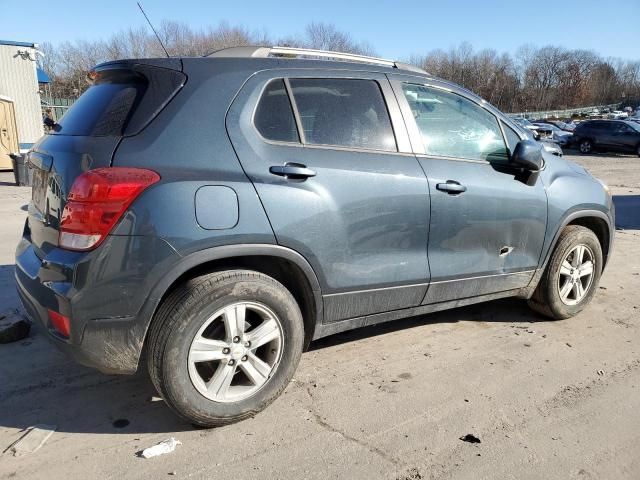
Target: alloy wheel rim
{"x": 235, "y": 352}
{"x": 585, "y": 147}
{"x": 576, "y": 275}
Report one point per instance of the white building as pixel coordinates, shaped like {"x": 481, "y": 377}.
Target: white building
{"x": 19, "y": 83}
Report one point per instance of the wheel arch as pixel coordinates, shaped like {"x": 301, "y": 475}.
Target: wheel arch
{"x": 600, "y": 227}
{"x": 285, "y": 265}
{"x": 595, "y": 220}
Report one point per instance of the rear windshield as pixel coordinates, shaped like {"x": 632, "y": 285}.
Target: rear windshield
{"x": 120, "y": 102}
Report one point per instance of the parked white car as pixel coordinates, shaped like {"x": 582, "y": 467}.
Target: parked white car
{"x": 618, "y": 115}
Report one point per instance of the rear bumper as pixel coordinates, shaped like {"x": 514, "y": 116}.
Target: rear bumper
{"x": 97, "y": 350}
{"x": 106, "y": 332}
{"x": 101, "y": 344}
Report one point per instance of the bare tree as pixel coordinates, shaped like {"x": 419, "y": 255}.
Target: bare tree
{"x": 533, "y": 79}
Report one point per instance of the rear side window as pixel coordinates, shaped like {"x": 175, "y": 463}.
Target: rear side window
{"x": 452, "y": 126}
{"x": 274, "y": 117}
{"x": 343, "y": 112}
{"x": 120, "y": 101}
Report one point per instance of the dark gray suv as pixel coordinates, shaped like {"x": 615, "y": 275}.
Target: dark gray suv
{"x": 213, "y": 216}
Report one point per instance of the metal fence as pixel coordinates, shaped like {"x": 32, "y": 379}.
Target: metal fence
{"x": 58, "y": 106}
{"x": 567, "y": 113}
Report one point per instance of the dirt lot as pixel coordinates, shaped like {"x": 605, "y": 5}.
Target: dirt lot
{"x": 547, "y": 399}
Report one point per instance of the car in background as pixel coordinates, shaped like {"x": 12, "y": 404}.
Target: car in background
{"x": 549, "y": 147}
{"x": 557, "y": 135}
{"x": 568, "y": 126}
{"x": 617, "y": 115}
{"x": 542, "y": 131}
{"x": 607, "y": 135}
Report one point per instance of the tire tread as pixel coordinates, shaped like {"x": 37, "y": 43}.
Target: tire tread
{"x": 172, "y": 308}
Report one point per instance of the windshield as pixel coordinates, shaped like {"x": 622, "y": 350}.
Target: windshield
{"x": 527, "y": 133}
{"x": 548, "y": 126}
{"x": 522, "y": 121}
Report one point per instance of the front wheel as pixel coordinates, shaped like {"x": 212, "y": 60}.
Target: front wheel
{"x": 585, "y": 146}
{"x": 224, "y": 346}
{"x": 572, "y": 275}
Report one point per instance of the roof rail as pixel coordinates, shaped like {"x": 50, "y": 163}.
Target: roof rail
{"x": 264, "y": 52}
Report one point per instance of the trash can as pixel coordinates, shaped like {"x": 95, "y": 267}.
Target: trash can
{"x": 21, "y": 170}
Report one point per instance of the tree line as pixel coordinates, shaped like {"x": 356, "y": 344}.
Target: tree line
{"x": 531, "y": 79}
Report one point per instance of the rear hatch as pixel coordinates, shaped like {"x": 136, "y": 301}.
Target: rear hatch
{"x": 124, "y": 97}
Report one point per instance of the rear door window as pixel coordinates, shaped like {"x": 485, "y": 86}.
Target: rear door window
{"x": 343, "y": 112}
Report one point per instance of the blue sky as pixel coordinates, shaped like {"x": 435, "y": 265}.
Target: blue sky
{"x": 395, "y": 29}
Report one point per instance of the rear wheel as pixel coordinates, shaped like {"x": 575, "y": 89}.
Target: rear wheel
{"x": 638, "y": 150}
{"x": 572, "y": 274}
{"x": 224, "y": 346}
{"x": 585, "y": 146}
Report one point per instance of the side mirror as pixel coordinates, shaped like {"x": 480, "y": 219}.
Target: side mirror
{"x": 527, "y": 155}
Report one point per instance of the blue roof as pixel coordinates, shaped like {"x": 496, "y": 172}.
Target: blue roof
{"x": 42, "y": 76}
{"x": 17, "y": 44}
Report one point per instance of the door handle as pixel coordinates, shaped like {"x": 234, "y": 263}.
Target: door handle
{"x": 451, "y": 187}
{"x": 294, "y": 171}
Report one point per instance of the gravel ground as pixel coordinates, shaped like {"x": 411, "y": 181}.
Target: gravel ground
{"x": 547, "y": 399}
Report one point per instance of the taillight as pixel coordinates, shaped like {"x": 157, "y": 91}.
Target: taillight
{"x": 60, "y": 323}
{"x": 97, "y": 200}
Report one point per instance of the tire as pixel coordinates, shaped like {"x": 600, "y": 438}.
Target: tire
{"x": 585, "y": 146}
{"x": 183, "y": 317}
{"x": 547, "y": 298}
{"x": 638, "y": 150}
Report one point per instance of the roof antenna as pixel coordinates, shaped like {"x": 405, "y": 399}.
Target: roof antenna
{"x": 154, "y": 30}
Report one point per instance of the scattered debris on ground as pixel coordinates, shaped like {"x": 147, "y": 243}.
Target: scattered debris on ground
{"x": 13, "y": 326}
{"x": 600, "y": 372}
{"x": 166, "y": 446}
{"x": 413, "y": 474}
{"x": 470, "y": 438}
{"x": 33, "y": 439}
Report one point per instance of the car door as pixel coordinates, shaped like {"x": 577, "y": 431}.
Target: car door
{"x": 602, "y": 133}
{"x": 624, "y": 137}
{"x": 487, "y": 223}
{"x": 330, "y": 158}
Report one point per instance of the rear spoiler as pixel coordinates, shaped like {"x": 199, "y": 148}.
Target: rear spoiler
{"x": 168, "y": 63}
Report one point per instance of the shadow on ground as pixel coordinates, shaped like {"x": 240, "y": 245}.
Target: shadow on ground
{"x": 627, "y": 211}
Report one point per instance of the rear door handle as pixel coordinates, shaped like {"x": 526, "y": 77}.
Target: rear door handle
{"x": 294, "y": 171}
{"x": 451, "y": 187}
